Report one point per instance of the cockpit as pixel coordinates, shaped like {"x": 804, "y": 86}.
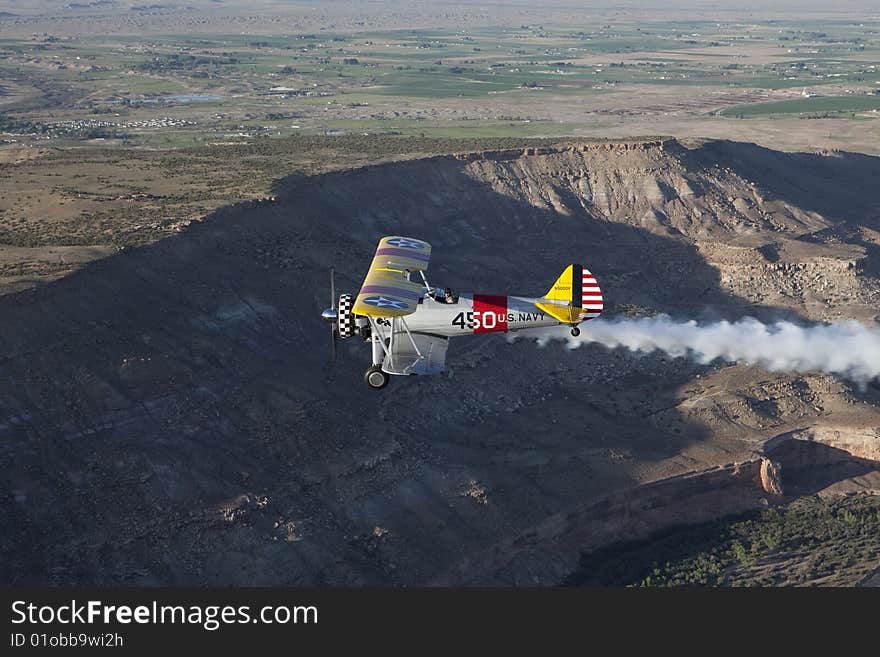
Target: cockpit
{"x": 446, "y": 295}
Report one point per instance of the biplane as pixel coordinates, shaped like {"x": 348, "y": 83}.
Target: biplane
{"x": 408, "y": 323}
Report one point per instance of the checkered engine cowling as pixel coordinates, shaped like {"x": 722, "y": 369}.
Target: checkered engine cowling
{"x": 345, "y": 317}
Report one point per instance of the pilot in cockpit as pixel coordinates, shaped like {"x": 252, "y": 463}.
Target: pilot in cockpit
{"x": 447, "y": 296}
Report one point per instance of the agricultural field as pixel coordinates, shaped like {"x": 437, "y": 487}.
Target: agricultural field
{"x": 154, "y": 89}
{"x": 810, "y": 106}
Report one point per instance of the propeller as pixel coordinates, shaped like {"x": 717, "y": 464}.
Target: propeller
{"x": 334, "y": 333}
{"x": 331, "y": 314}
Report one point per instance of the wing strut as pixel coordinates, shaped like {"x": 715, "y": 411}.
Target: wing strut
{"x": 378, "y": 333}
{"x": 425, "y": 281}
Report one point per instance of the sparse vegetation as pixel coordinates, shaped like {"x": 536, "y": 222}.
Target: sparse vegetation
{"x": 834, "y": 541}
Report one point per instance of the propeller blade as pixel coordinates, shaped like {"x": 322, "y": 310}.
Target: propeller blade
{"x": 333, "y": 327}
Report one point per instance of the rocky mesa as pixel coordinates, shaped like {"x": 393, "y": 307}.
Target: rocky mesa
{"x": 169, "y": 414}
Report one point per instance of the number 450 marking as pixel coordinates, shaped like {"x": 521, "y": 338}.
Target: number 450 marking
{"x": 475, "y": 320}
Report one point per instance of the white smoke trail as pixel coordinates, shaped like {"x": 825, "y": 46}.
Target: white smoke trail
{"x": 846, "y": 348}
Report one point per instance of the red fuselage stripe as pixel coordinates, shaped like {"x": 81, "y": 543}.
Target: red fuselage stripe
{"x": 486, "y": 305}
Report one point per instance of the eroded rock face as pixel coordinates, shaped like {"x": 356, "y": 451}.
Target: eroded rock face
{"x": 831, "y": 460}
{"x": 169, "y": 415}
{"x": 856, "y": 441}
{"x": 771, "y": 477}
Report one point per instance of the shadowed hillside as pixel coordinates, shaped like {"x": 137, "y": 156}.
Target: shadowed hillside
{"x": 169, "y": 415}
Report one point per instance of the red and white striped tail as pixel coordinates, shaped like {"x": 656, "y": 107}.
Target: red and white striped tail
{"x": 591, "y": 296}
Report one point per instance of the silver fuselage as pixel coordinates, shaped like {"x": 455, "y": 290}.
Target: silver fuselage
{"x": 477, "y": 313}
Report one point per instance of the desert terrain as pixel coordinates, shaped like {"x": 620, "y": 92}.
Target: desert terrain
{"x": 173, "y": 195}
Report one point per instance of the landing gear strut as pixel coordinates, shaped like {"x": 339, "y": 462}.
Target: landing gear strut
{"x": 376, "y": 378}
{"x": 575, "y": 331}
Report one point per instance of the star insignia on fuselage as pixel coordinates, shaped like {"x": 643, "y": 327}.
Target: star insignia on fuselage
{"x": 384, "y": 302}
{"x": 404, "y": 243}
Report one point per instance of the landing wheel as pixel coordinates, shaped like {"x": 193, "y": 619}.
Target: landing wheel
{"x": 376, "y": 378}
{"x": 575, "y": 331}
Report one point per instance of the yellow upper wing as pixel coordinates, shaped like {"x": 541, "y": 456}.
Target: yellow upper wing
{"x": 386, "y": 291}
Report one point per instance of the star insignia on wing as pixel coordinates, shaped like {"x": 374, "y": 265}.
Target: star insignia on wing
{"x": 404, "y": 243}
{"x": 384, "y": 302}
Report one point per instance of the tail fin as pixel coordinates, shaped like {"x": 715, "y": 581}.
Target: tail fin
{"x": 574, "y": 297}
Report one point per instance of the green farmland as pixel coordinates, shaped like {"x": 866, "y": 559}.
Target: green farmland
{"x": 814, "y": 105}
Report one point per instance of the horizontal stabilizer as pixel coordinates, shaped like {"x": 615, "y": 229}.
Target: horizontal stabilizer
{"x": 565, "y": 313}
